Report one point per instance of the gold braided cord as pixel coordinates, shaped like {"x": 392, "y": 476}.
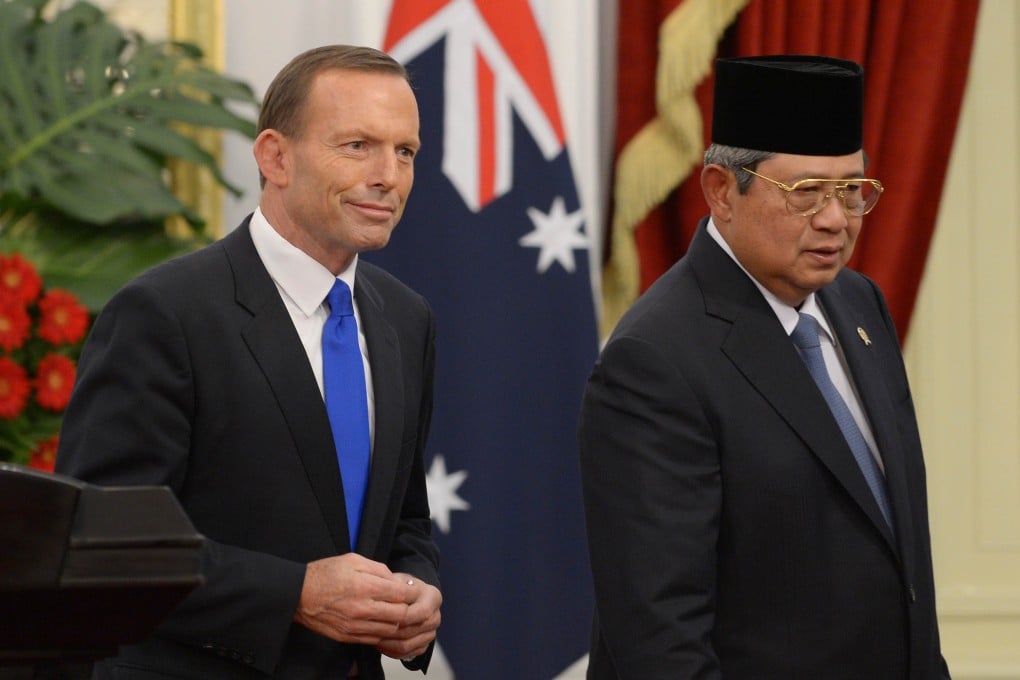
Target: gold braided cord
{"x": 199, "y": 22}
{"x": 663, "y": 153}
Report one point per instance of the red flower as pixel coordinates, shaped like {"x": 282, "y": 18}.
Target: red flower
{"x": 19, "y": 277}
{"x": 14, "y": 388}
{"x": 53, "y": 381}
{"x": 44, "y": 455}
{"x": 15, "y": 323}
{"x": 61, "y": 317}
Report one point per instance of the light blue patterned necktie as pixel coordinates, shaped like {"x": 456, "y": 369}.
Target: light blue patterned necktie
{"x": 343, "y": 378}
{"x": 805, "y": 337}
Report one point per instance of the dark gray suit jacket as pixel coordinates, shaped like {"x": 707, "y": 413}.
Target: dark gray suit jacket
{"x": 731, "y": 532}
{"x": 194, "y": 377}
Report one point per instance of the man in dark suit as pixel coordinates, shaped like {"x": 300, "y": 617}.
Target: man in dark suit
{"x": 742, "y": 523}
{"x": 206, "y": 375}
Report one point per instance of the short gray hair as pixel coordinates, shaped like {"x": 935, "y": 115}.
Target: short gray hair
{"x": 735, "y": 159}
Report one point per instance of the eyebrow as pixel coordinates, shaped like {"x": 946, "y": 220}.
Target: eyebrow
{"x": 801, "y": 178}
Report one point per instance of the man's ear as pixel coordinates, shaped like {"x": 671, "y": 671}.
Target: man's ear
{"x": 719, "y": 185}
{"x": 270, "y": 150}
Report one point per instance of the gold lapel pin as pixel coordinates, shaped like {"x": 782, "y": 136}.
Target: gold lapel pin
{"x": 864, "y": 335}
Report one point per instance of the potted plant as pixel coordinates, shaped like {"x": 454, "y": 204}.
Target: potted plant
{"x": 91, "y": 118}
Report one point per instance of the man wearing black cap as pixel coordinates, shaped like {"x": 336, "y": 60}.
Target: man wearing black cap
{"x": 753, "y": 478}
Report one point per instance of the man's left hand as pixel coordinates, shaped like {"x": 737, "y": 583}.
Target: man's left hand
{"x": 418, "y": 629}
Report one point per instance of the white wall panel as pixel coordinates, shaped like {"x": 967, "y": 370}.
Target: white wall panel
{"x": 963, "y": 355}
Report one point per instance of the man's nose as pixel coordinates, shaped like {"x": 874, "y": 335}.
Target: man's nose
{"x": 833, "y": 214}
{"x": 384, "y": 168}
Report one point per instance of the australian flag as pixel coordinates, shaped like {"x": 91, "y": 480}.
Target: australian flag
{"x": 496, "y": 239}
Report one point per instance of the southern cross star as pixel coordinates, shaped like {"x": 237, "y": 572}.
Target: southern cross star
{"x": 556, "y": 234}
{"x": 442, "y": 489}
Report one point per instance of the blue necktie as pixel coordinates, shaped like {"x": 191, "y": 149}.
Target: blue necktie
{"x": 343, "y": 377}
{"x": 805, "y": 337}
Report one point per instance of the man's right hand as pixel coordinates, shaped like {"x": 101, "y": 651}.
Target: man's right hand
{"x": 350, "y": 598}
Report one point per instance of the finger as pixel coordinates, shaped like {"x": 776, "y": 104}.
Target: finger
{"x": 382, "y": 588}
{"x": 374, "y": 611}
{"x": 368, "y": 626}
{"x": 404, "y": 649}
{"x": 429, "y": 601}
{"x": 418, "y": 592}
{"x": 411, "y": 588}
{"x": 364, "y": 565}
{"x": 427, "y": 626}
{"x": 388, "y": 592}
{"x": 418, "y": 619}
{"x": 421, "y": 614}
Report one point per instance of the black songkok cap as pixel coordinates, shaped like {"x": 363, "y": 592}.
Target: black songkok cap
{"x": 807, "y": 105}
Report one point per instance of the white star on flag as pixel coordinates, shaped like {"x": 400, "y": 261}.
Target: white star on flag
{"x": 442, "y": 490}
{"x": 556, "y": 234}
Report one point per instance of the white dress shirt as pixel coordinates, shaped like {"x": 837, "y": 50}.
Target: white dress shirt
{"x": 303, "y": 284}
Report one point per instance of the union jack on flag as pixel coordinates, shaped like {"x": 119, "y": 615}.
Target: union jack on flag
{"x": 496, "y": 239}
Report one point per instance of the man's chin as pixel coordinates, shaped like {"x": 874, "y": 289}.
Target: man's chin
{"x": 375, "y": 238}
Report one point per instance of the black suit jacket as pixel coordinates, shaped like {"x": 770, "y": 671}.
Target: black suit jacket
{"x": 731, "y": 532}
{"x": 194, "y": 377}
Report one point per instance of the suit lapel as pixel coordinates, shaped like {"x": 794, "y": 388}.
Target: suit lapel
{"x": 270, "y": 336}
{"x": 864, "y": 360}
{"x": 761, "y": 350}
{"x": 384, "y": 354}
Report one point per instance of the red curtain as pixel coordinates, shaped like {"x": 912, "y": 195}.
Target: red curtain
{"x": 915, "y": 57}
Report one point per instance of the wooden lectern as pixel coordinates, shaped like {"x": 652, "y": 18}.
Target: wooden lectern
{"x": 85, "y": 568}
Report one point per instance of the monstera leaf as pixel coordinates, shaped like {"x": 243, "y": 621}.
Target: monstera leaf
{"x": 90, "y": 116}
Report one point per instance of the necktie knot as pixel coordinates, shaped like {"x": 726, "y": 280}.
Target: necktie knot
{"x": 339, "y": 299}
{"x": 805, "y": 335}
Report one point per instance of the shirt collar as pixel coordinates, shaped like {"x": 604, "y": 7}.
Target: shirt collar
{"x": 788, "y": 316}
{"x": 300, "y": 277}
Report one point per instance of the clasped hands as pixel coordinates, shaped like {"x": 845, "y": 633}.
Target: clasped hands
{"x": 350, "y": 598}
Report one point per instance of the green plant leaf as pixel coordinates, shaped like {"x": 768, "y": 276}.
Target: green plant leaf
{"x": 93, "y": 261}
{"x": 85, "y": 110}
{"x": 90, "y": 116}
{"x": 116, "y": 193}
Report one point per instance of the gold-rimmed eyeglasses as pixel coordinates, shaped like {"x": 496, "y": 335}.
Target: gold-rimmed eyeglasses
{"x": 809, "y": 196}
